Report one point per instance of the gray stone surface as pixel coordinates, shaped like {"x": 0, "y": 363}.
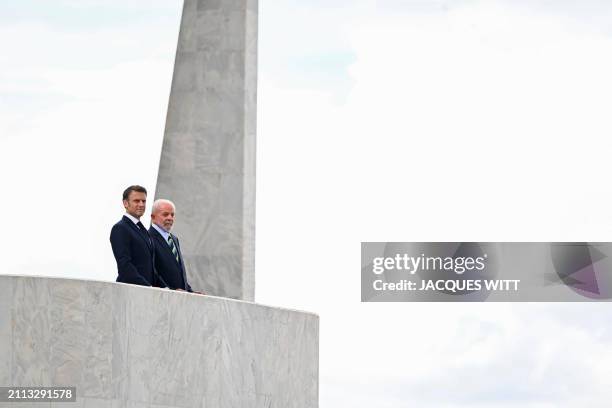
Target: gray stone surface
{"x": 207, "y": 164}
{"x": 6, "y": 330}
{"x": 130, "y": 346}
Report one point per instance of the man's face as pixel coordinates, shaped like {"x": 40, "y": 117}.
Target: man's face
{"x": 163, "y": 216}
{"x": 135, "y": 204}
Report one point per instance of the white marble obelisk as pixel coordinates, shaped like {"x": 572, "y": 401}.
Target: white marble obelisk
{"x": 207, "y": 162}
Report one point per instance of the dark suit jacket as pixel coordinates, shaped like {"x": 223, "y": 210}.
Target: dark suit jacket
{"x": 135, "y": 255}
{"x": 171, "y": 271}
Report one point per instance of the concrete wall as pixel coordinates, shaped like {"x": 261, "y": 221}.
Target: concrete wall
{"x": 207, "y": 164}
{"x": 129, "y": 346}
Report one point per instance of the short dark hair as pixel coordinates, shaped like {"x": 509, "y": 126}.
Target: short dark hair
{"x": 136, "y": 187}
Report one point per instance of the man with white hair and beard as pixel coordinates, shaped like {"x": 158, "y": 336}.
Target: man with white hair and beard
{"x": 168, "y": 259}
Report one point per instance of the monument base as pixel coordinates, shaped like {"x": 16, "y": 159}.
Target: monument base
{"x": 130, "y": 346}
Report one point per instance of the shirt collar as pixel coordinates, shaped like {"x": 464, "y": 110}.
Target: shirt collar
{"x": 132, "y": 218}
{"x": 162, "y": 231}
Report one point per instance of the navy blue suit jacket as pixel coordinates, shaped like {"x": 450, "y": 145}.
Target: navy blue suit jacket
{"x": 135, "y": 254}
{"x": 172, "y": 272}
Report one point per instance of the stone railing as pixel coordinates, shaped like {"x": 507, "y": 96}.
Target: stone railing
{"x": 130, "y": 346}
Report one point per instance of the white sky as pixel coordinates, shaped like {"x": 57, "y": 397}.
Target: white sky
{"x": 377, "y": 121}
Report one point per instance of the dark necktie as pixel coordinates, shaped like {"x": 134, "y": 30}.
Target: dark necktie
{"x": 143, "y": 231}
{"x": 173, "y": 248}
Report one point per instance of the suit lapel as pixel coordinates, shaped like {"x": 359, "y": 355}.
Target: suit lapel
{"x": 161, "y": 239}
{"x": 180, "y": 254}
{"x": 178, "y": 248}
{"x": 143, "y": 234}
{"x": 156, "y": 235}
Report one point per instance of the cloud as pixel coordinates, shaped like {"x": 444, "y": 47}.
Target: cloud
{"x": 480, "y": 121}
{"x": 82, "y": 117}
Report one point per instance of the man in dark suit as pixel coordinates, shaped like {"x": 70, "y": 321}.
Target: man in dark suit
{"x": 168, "y": 259}
{"x": 132, "y": 246}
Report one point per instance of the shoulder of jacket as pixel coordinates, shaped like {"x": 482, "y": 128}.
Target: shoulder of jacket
{"x": 120, "y": 224}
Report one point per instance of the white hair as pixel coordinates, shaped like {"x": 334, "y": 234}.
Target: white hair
{"x": 160, "y": 202}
